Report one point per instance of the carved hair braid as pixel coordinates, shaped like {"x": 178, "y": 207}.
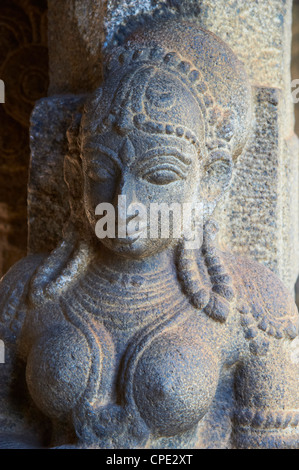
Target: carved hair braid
{"x": 204, "y": 278}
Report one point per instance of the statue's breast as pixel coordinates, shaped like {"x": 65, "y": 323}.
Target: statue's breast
{"x": 175, "y": 382}
{"x": 58, "y": 368}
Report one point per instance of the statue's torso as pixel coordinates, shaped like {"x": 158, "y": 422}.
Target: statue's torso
{"x": 125, "y": 372}
{"x": 129, "y": 340}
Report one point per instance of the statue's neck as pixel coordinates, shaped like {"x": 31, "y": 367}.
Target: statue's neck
{"x": 149, "y": 264}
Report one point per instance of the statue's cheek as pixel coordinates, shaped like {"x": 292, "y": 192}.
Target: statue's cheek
{"x": 58, "y": 370}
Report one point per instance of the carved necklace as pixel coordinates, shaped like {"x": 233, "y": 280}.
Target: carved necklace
{"x": 129, "y": 301}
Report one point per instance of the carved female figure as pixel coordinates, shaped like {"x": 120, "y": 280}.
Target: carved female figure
{"x": 139, "y": 342}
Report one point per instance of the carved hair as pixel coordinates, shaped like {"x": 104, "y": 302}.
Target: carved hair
{"x": 219, "y": 128}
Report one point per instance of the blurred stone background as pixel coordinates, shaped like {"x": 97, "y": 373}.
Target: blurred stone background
{"x": 295, "y": 75}
{"x": 295, "y": 55}
{"x": 24, "y": 69}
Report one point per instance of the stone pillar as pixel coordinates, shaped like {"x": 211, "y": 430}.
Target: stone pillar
{"x": 295, "y": 57}
{"x": 295, "y": 76}
{"x": 259, "y": 216}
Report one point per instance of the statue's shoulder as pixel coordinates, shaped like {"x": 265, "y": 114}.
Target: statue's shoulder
{"x": 14, "y": 288}
{"x": 262, "y": 298}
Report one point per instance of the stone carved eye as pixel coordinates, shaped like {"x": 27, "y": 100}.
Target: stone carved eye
{"x": 102, "y": 164}
{"x": 164, "y": 174}
{"x": 100, "y": 173}
{"x": 164, "y": 166}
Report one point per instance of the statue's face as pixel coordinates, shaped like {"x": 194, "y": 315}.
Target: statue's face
{"x": 148, "y": 154}
{"x": 146, "y": 169}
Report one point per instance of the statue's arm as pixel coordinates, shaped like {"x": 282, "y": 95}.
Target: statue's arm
{"x": 15, "y": 428}
{"x": 267, "y": 379}
{"x": 267, "y": 411}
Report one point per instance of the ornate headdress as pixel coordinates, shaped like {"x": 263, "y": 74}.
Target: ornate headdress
{"x": 141, "y": 77}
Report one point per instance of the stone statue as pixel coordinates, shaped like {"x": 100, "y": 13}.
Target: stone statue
{"x": 138, "y": 342}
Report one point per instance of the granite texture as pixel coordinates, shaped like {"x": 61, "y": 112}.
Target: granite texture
{"x": 128, "y": 341}
{"x": 260, "y": 35}
{"x": 77, "y": 46}
{"x": 138, "y": 342}
{"x": 76, "y": 35}
{"x": 295, "y": 57}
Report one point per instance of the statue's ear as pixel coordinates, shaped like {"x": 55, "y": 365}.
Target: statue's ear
{"x": 216, "y": 178}
{"x": 73, "y": 176}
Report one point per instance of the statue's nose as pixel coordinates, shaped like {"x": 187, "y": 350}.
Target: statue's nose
{"x": 126, "y": 189}
{"x": 126, "y": 201}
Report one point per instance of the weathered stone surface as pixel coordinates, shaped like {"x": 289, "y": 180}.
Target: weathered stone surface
{"x": 48, "y": 207}
{"x": 132, "y": 341}
{"x": 259, "y": 216}
{"x": 260, "y": 35}
{"x": 78, "y": 32}
{"x": 295, "y": 58}
{"x": 253, "y": 195}
{"x": 76, "y": 35}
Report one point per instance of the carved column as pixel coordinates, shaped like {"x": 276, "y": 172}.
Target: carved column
{"x": 295, "y": 57}
{"x": 260, "y": 214}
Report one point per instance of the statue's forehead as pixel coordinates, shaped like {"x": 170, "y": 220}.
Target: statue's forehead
{"x": 139, "y": 143}
{"x": 146, "y": 97}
